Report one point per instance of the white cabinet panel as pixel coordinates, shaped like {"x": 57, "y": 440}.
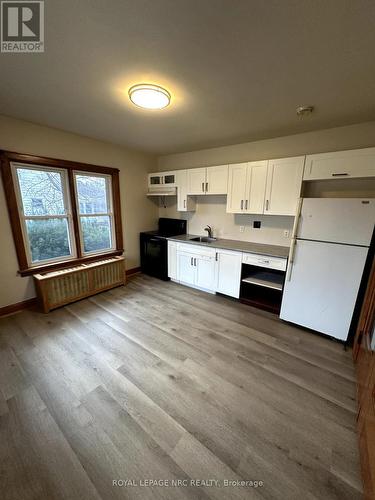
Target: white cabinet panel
{"x": 228, "y": 272}
{"x": 217, "y": 180}
{"x": 340, "y": 165}
{"x": 256, "y": 187}
{"x": 196, "y": 181}
{"x": 264, "y": 261}
{"x": 236, "y": 187}
{"x": 184, "y": 202}
{"x": 284, "y": 180}
{"x": 205, "y": 272}
{"x": 172, "y": 260}
{"x": 185, "y": 268}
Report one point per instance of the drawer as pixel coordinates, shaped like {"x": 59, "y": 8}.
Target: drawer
{"x": 264, "y": 261}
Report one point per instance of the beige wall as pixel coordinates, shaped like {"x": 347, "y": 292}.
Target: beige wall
{"x": 138, "y": 212}
{"x": 334, "y": 139}
{"x": 211, "y": 209}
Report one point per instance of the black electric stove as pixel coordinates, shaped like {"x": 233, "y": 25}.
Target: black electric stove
{"x": 154, "y": 247}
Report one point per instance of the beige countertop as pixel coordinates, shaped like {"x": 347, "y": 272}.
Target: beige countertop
{"x": 240, "y": 246}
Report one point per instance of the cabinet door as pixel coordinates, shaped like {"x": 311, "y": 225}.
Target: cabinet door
{"x": 217, "y": 180}
{"x": 196, "y": 180}
{"x": 184, "y": 202}
{"x": 228, "y": 272}
{"x": 236, "y": 188}
{"x": 284, "y": 180}
{"x": 169, "y": 179}
{"x": 154, "y": 180}
{"x": 172, "y": 260}
{"x": 340, "y": 164}
{"x": 256, "y": 187}
{"x": 205, "y": 272}
{"x": 185, "y": 268}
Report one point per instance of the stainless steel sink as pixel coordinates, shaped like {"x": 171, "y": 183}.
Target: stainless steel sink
{"x": 204, "y": 239}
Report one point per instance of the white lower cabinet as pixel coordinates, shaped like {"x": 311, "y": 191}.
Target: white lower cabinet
{"x": 196, "y": 266}
{"x": 210, "y": 269}
{"x": 228, "y": 272}
{"x": 172, "y": 260}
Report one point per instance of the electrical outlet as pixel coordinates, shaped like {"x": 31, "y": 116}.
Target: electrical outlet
{"x": 286, "y": 233}
{"x": 242, "y": 229}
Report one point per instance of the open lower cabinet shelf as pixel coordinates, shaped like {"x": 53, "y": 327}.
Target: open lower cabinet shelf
{"x": 261, "y": 287}
{"x": 266, "y": 279}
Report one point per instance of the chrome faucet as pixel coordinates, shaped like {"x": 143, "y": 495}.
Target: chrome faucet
{"x": 209, "y": 231}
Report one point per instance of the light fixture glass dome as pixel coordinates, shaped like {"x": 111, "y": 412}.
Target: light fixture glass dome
{"x": 149, "y": 96}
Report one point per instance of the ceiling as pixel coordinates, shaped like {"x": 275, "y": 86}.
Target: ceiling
{"x": 236, "y": 69}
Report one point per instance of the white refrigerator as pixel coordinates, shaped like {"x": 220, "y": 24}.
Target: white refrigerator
{"x": 330, "y": 243}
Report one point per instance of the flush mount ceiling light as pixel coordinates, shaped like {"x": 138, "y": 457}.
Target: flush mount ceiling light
{"x": 146, "y": 95}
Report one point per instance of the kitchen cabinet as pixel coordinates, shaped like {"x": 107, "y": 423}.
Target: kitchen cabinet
{"x": 217, "y": 179}
{"x": 162, "y": 179}
{"x": 196, "y": 181}
{"x": 246, "y": 187}
{"x": 185, "y": 203}
{"x": 283, "y": 188}
{"x": 172, "y": 260}
{"x": 196, "y": 266}
{"x": 228, "y": 272}
{"x": 210, "y": 180}
{"x": 340, "y": 165}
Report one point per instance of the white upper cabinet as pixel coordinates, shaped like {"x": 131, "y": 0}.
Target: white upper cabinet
{"x": 284, "y": 180}
{"x": 236, "y": 187}
{"x": 340, "y": 165}
{"x": 184, "y": 202}
{"x": 162, "y": 179}
{"x": 196, "y": 180}
{"x": 256, "y": 187}
{"x": 246, "y": 187}
{"x": 217, "y": 180}
{"x": 210, "y": 180}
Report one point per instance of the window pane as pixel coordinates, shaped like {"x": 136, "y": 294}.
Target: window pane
{"x": 49, "y": 238}
{"x": 96, "y": 233}
{"x": 41, "y": 192}
{"x": 92, "y": 194}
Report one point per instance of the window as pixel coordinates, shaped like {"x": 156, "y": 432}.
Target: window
{"x": 61, "y": 212}
{"x": 94, "y": 202}
{"x": 44, "y": 210}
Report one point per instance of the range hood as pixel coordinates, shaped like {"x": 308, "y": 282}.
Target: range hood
{"x": 162, "y": 191}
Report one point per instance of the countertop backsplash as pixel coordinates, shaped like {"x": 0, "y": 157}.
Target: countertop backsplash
{"x": 211, "y": 210}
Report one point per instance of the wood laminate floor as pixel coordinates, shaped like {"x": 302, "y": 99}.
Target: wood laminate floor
{"x": 155, "y": 381}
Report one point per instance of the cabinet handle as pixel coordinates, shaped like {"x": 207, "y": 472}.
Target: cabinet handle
{"x": 246, "y": 205}
{"x": 267, "y": 204}
{"x": 191, "y": 262}
{"x": 206, "y": 187}
{"x": 203, "y": 187}
{"x": 216, "y": 256}
{"x": 241, "y": 204}
{"x": 195, "y": 262}
{"x": 340, "y": 175}
{"x": 184, "y": 203}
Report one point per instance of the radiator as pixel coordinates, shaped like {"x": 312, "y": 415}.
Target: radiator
{"x": 58, "y": 288}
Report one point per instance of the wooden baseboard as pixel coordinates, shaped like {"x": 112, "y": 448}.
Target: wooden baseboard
{"x": 135, "y": 270}
{"x": 12, "y": 308}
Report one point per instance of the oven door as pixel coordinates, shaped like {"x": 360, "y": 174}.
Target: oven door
{"x": 154, "y": 256}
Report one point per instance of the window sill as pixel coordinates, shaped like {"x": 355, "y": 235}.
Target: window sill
{"x": 67, "y": 263}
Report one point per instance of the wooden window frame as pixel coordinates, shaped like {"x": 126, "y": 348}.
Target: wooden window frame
{"x": 7, "y": 157}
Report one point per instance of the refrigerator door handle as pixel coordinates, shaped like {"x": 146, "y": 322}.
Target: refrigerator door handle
{"x": 291, "y": 259}
{"x": 297, "y": 219}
